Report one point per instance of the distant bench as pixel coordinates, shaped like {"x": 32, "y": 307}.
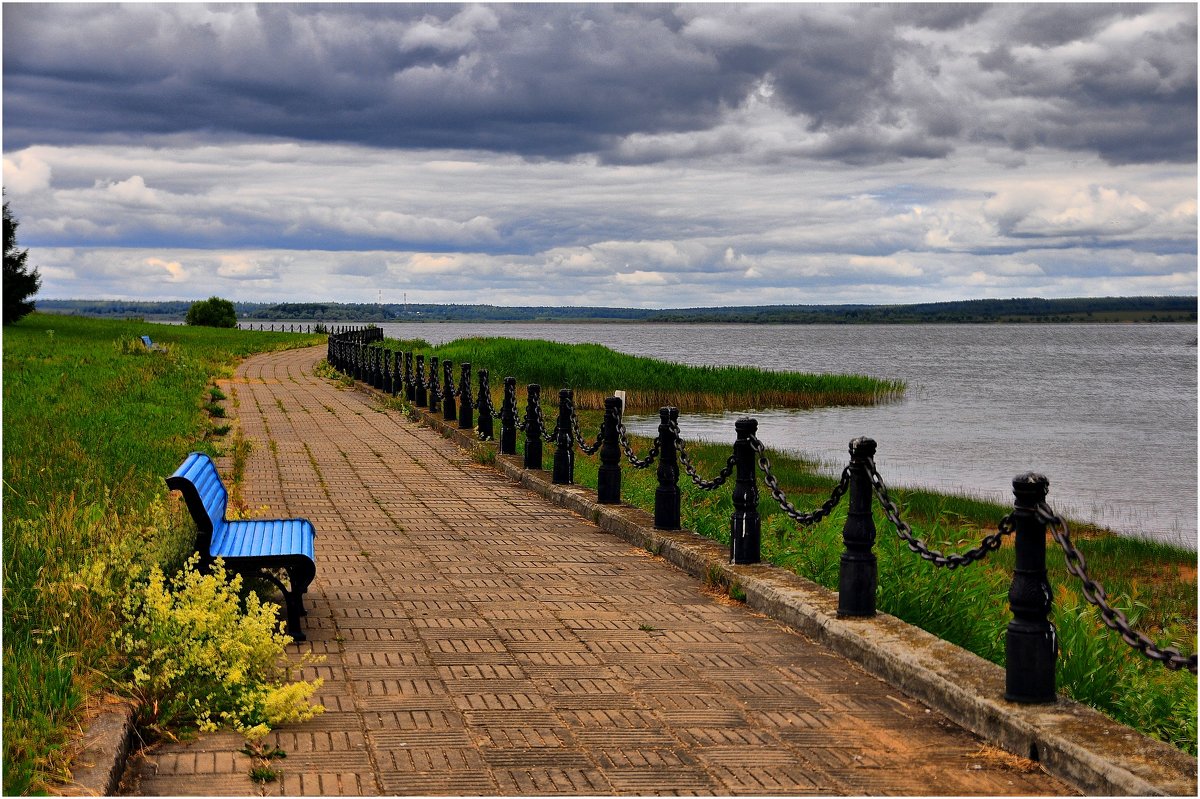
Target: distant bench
{"x": 254, "y": 547}
{"x": 150, "y": 345}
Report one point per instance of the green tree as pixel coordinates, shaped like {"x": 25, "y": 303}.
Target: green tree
{"x": 20, "y": 282}
{"x": 213, "y": 312}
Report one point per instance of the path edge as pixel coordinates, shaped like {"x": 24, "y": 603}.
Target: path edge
{"x": 1070, "y": 740}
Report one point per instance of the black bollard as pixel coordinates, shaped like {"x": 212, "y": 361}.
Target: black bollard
{"x": 859, "y": 578}
{"x": 667, "y": 496}
{"x": 564, "y": 442}
{"x": 1030, "y": 644}
{"x": 608, "y": 478}
{"x": 465, "y": 417}
{"x": 419, "y": 378}
{"x": 449, "y": 411}
{"x": 745, "y": 525}
{"x": 410, "y": 385}
{"x": 397, "y": 381}
{"x": 533, "y": 428}
{"x": 484, "y": 403}
{"x": 508, "y": 418}
{"x": 359, "y": 356}
{"x": 435, "y": 393}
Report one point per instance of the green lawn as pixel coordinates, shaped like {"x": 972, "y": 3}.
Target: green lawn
{"x": 93, "y": 422}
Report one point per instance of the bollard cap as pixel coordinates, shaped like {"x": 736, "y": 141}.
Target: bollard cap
{"x": 1030, "y": 488}
{"x": 612, "y": 402}
{"x": 746, "y": 426}
{"x": 563, "y": 393}
{"x": 664, "y": 413}
{"x": 862, "y": 447}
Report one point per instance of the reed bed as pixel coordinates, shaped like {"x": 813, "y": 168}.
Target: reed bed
{"x": 595, "y": 372}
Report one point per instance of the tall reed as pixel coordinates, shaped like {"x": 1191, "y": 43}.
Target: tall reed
{"x": 595, "y": 371}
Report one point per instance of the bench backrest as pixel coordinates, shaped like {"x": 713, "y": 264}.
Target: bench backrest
{"x": 204, "y": 493}
{"x": 146, "y": 340}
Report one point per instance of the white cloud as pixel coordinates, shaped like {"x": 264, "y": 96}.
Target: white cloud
{"x": 26, "y": 173}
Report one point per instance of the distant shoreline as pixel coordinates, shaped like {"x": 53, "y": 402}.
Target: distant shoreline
{"x": 1152, "y": 310}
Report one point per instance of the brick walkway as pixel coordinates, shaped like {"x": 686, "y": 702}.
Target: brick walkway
{"x": 480, "y": 640}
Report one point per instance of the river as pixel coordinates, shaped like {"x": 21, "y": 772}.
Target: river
{"x": 1106, "y": 412}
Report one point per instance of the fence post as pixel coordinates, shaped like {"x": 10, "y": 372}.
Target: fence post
{"x": 564, "y": 444}
{"x": 358, "y": 360}
{"x": 449, "y": 411}
{"x": 1030, "y": 645}
{"x": 745, "y": 525}
{"x": 667, "y": 496}
{"x": 410, "y": 385}
{"x": 608, "y": 479}
{"x": 435, "y": 393}
{"x": 394, "y": 376}
{"x": 533, "y": 428}
{"x": 859, "y": 576}
{"x": 465, "y": 420}
{"x": 508, "y": 418}
{"x": 419, "y": 378}
{"x": 486, "y": 426}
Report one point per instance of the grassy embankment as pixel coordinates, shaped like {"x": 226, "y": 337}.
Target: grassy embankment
{"x": 593, "y": 371}
{"x": 93, "y": 422}
{"x": 1154, "y": 584}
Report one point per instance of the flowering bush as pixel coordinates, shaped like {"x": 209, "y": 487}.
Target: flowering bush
{"x": 198, "y": 658}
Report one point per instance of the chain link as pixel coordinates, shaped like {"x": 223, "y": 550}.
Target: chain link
{"x": 547, "y": 436}
{"x": 588, "y": 449}
{"x": 1094, "y": 593}
{"x": 707, "y": 485}
{"x": 487, "y": 402}
{"x": 989, "y": 544}
{"x": 639, "y": 463}
{"x": 772, "y": 483}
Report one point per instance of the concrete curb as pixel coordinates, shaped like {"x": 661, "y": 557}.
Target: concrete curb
{"x": 1072, "y": 741}
{"x": 97, "y": 768}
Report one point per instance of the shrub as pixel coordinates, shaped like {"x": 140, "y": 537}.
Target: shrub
{"x": 213, "y": 312}
{"x": 198, "y": 659}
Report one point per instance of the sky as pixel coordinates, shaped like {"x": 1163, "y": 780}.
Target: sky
{"x": 630, "y": 155}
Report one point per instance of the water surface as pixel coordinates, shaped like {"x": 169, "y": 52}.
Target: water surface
{"x": 1106, "y": 412}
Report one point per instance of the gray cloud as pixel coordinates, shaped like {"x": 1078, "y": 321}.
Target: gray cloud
{"x": 878, "y": 83}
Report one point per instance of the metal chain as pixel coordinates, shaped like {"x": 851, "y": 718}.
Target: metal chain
{"x": 707, "y": 485}
{"x": 588, "y": 449}
{"x": 639, "y": 463}
{"x": 989, "y": 544}
{"x": 835, "y": 497}
{"x": 546, "y": 436}
{"x": 1094, "y": 593}
{"x": 491, "y": 409}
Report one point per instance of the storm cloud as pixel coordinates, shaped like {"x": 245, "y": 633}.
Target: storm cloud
{"x": 698, "y": 153}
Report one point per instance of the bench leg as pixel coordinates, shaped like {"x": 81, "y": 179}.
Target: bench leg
{"x": 299, "y": 576}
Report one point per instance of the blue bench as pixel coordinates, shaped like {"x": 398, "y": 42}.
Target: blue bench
{"x": 252, "y": 548}
{"x": 150, "y": 345}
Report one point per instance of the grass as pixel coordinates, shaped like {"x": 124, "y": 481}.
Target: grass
{"x": 595, "y": 371}
{"x": 93, "y": 422}
{"x": 1155, "y": 584}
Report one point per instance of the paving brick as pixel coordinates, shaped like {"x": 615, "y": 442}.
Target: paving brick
{"x": 482, "y": 641}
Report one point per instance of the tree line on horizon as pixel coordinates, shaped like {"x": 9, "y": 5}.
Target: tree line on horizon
{"x": 1079, "y": 309}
